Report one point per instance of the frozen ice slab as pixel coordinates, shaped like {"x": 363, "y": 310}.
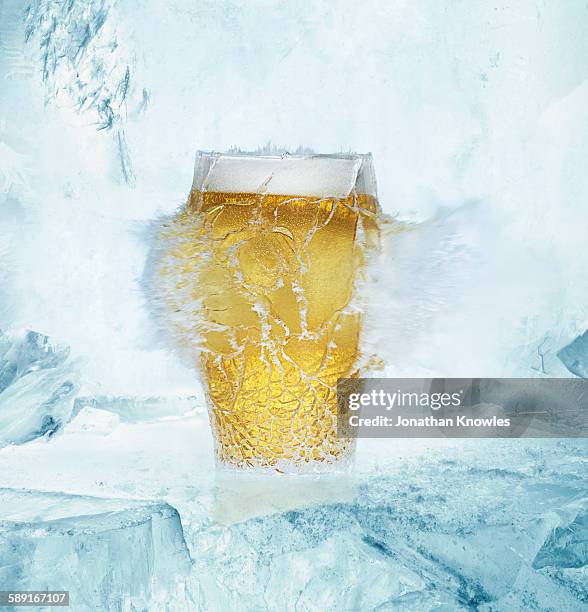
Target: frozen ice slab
{"x": 451, "y": 534}
{"x": 487, "y": 525}
{"x": 38, "y": 383}
{"x": 111, "y": 554}
{"x": 575, "y": 356}
{"x": 366, "y": 557}
{"x": 132, "y": 409}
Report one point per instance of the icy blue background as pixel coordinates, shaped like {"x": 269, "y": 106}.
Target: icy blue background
{"x": 472, "y": 108}
{"x": 477, "y": 116}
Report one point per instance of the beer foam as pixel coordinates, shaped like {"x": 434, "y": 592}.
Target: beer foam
{"x": 315, "y": 176}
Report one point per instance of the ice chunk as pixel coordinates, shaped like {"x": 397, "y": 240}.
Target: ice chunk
{"x": 38, "y": 383}
{"x": 575, "y": 356}
{"x": 303, "y": 563}
{"x": 111, "y": 554}
{"x": 567, "y": 544}
{"x": 132, "y": 409}
{"x": 448, "y": 535}
{"x": 344, "y": 573}
{"x": 564, "y": 554}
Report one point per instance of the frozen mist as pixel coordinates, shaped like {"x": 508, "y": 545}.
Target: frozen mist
{"x": 476, "y": 115}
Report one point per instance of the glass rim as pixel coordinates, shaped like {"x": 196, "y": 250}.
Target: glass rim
{"x": 285, "y": 155}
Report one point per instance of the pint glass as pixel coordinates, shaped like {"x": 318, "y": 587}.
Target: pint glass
{"x": 258, "y": 275}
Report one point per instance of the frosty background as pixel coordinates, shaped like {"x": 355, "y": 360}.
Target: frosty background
{"x": 476, "y": 113}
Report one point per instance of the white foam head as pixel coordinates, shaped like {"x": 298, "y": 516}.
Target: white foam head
{"x": 298, "y": 175}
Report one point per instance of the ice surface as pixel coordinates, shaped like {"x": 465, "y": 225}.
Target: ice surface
{"x": 133, "y": 409}
{"x": 38, "y": 384}
{"x": 418, "y": 526}
{"x": 575, "y": 356}
{"x": 460, "y": 533}
{"x": 110, "y": 554}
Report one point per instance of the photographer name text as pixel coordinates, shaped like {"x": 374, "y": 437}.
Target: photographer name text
{"x": 387, "y": 401}
{"x": 429, "y": 421}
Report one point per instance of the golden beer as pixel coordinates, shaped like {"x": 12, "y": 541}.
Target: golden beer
{"x": 260, "y": 291}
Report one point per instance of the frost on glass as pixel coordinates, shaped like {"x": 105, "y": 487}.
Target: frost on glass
{"x": 257, "y": 278}
{"x": 111, "y": 554}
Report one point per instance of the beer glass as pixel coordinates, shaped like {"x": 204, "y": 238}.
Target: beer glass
{"x": 258, "y": 277}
